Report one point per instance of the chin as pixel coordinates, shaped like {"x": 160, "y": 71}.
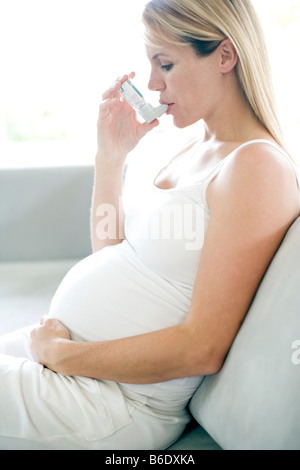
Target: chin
{"x": 179, "y": 125}
{"x": 182, "y": 123}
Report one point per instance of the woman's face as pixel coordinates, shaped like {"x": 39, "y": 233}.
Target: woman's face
{"x": 187, "y": 83}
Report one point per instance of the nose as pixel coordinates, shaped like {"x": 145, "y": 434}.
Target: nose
{"x": 156, "y": 82}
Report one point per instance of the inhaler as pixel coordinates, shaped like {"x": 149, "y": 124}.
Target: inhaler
{"x": 137, "y": 101}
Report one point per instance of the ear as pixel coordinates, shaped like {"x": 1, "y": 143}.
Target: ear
{"x": 228, "y": 56}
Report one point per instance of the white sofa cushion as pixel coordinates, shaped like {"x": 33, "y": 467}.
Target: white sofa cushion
{"x": 253, "y": 402}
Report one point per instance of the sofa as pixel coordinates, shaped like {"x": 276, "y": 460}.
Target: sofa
{"x": 252, "y": 403}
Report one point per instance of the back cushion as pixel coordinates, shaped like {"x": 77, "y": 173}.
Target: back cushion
{"x": 254, "y": 401}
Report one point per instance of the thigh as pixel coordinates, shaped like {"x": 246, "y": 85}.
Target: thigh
{"x": 43, "y": 409}
{"x": 150, "y": 429}
{"x": 17, "y": 343}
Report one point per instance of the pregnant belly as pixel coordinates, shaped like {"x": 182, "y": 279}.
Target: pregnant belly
{"x": 112, "y": 294}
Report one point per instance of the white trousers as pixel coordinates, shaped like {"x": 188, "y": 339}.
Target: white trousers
{"x": 42, "y": 410}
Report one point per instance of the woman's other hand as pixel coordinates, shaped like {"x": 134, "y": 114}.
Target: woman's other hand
{"x": 45, "y": 339}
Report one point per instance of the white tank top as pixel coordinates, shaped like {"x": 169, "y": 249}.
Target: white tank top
{"x": 146, "y": 282}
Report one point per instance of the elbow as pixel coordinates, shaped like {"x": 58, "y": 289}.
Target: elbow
{"x": 204, "y": 362}
{"x": 211, "y": 366}
{"x": 214, "y": 366}
{"x": 200, "y": 356}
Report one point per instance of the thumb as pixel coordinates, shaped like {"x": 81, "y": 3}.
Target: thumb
{"x": 44, "y": 319}
{"x": 147, "y": 127}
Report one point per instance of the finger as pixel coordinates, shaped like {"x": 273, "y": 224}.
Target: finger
{"x": 113, "y": 91}
{"x": 145, "y": 128}
{"x": 124, "y": 78}
{"x": 44, "y": 319}
{"x": 32, "y": 333}
{"x": 107, "y": 106}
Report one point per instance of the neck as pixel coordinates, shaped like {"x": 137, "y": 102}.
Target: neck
{"x": 233, "y": 120}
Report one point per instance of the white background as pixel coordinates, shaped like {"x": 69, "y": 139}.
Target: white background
{"x": 57, "y": 57}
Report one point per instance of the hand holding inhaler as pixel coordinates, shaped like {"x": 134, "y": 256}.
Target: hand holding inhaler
{"x": 119, "y": 130}
{"x": 132, "y": 95}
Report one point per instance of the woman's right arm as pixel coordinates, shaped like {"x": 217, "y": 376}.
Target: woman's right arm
{"x": 119, "y": 132}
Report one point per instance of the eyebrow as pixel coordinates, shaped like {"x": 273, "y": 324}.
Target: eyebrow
{"x": 159, "y": 55}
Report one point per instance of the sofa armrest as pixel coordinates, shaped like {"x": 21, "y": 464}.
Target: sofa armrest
{"x": 45, "y": 213}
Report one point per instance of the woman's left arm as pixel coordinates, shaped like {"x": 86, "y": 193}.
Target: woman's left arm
{"x": 253, "y": 201}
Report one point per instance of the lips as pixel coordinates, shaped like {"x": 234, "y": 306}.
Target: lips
{"x": 170, "y": 105}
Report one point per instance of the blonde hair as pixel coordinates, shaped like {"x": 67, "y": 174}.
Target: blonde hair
{"x": 204, "y": 24}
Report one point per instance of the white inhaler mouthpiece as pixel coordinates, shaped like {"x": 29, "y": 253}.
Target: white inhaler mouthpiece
{"x": 137, "y": 101}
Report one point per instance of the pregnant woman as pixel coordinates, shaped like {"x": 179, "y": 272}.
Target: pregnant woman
{"x": 133, "y": 328}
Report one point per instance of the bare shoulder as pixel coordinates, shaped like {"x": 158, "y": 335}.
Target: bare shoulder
{"x": 260, "y": 160}
{"x": 257, "y": 173}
